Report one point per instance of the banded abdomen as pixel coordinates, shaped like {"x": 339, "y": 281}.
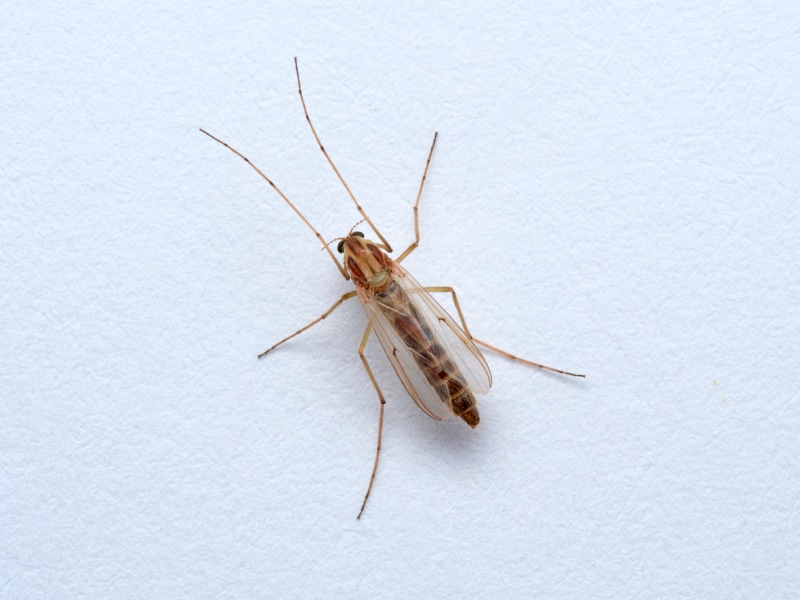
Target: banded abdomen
{"x": 429, "y": 354}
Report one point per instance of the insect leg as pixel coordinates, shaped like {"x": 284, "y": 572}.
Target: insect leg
{"x": 336, "y": 304}
{"x": 363, "y": 358}
{"x": 415, "y": 243}
{"x": 282, "y": 195}
{"x": 446, "y": 289}
{"x": 335, "y": 170}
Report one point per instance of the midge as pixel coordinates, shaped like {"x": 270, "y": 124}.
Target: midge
{"x": 436, "y": 360}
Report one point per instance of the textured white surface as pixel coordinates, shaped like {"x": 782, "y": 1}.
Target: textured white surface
{"x": 615, "y": 191}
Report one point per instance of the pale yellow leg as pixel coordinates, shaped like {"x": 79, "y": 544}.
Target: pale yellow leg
{"x": 282, "y": 195}
{"x": 363, "y": 358}
{"x": 336, "y": 304}
{"x": 415, "y": 243}
{"x": 330, "y": 161}
{"x": 447, "y": 289}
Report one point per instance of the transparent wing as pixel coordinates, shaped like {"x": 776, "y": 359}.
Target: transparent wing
{"x": 413, "y": 329}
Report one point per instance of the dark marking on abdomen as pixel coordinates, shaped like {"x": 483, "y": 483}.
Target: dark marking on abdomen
{"x": 434, "y": 362}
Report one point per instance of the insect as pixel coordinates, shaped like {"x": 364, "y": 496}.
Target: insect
{"x": 436, "y": 359}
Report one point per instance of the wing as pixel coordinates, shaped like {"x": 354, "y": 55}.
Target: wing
{"x": 412, "y": 327}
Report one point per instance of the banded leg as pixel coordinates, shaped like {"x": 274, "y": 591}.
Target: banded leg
{"x": 448, "y": 289}
{"x": 363, "y": 358}
{"x": 336, "y": 304}
{"x": 289, "y": 202}
{"x": 328, "y": 158}
{"x": 415, "y": 243}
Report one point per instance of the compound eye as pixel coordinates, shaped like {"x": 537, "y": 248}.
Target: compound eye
{"x": 357, "y": 234}
{"x": 340, "y": 246}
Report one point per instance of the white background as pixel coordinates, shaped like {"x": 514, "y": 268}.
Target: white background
{"x": 614, "y": 191}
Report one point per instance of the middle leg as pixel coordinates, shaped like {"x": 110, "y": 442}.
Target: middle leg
{"x": 336, "y": 304}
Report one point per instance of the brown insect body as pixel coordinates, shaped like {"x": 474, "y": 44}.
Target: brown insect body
{"x": 378, "y": 283}
{"x": 435, "y": 358}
